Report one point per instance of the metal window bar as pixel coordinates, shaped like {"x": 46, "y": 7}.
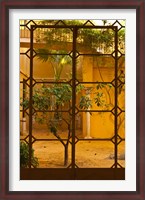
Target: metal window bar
{"x": 74, "y": 57}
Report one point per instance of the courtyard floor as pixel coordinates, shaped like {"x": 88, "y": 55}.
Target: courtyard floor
{"x": 88, "y": 153}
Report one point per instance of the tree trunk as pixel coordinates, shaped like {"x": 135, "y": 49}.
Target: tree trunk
{"x": 66, "y": 155}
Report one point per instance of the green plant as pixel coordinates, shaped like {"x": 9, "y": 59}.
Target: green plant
{"x": 24, "y": 156}
{"x": 85, "y": 102}
{"x": 94, "y": 39}
{"x": 54, "y": 97}
{"x": 58, "y": 96}
{"x": 57, "y": 58}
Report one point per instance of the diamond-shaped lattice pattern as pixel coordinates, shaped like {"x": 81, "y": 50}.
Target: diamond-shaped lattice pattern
{"x": 29, "y": 23}
{"x": 119, "y": 82}
{"x": 27, "y": 53}
{"x": 76, "y": 139}
{"x": 26, "y": 139}
{"x": 28, "y": 82}
{"x": 76, "y": 111}
{"x": 113, "y": 82}
{"x": 119, "y": 139}
{"x": 70, "y": 82}
{"x": 26, "y": 110}
{"x": 71, "y": 54}
{"x": 33, "y": 111}
{"x": 119, "y": 54}
{"x": 76, "y": 82}
{"x": 77, "y": 54}
{"x": 60, "y": 22}
{"x": 119, "y": 111}
{"x": 117, "y": 23}
{"x": 88, "y": 23}
{"x": 118, "y": 166}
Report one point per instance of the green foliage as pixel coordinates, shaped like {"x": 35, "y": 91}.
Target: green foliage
{"x": 24, "y": 103}
{"x": 85, "y": 102}
{"x": 62, "y": 93}
{"x": 96, "y": 37}
{"x": 43, "y": 54}
{"x": 56, "y": 96}
{"x": 51, "y": 97}
{"x": 53, "y": 125}
{"x": 92, "y": 38}
{"x": 57, "y": 59}
{"x": 41, "y": 101}
{"x": 24, "y": 156}
{"x": 98, "y": 99}
{"x": 100, "y": 86}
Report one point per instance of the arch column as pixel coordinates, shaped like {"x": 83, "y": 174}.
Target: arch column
{"x": 88, "y": 116}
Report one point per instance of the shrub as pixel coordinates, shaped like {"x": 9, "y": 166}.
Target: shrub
{"x": 24, "y": 156}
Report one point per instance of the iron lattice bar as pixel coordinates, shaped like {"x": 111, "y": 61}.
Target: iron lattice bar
{"x": 73, "y": 95}
{"x": 116, "y": 97}
{"x": 30, "y": 97}
{"x": 73, "y": 110}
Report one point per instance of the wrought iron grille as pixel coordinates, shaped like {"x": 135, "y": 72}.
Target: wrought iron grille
{"x": 66, "y": 99}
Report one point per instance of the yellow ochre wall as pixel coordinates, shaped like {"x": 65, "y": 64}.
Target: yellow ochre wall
{"x": 102, "y": 69}
{"x": 93, "y": 69}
